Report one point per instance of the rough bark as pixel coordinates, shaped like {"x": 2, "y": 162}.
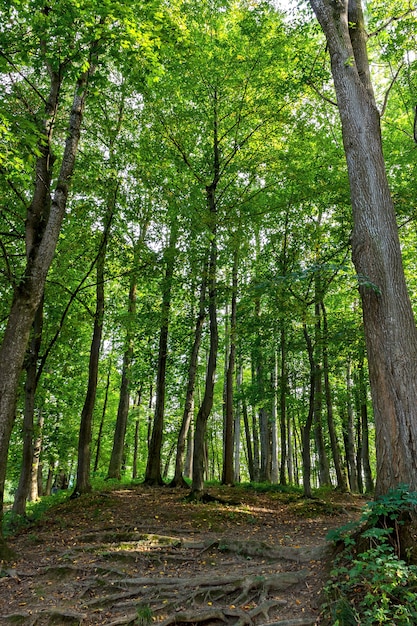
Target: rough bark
{"x": 390, "y": 331}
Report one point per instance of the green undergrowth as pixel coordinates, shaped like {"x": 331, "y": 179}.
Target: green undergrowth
{"x": 372, "y": 581}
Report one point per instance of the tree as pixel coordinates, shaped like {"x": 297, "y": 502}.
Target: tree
{"x": 390, "y": 331}
{"x": 42, "y": 231}
{"x": 153, "y": 468}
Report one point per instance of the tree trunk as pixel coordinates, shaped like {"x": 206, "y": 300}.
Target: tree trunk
{"x": 115, "y": 464}
{"x": 237, "y": 426}
{"x": 251, "y": 464}
{"x": 337, "y": 459}
{"x": 306, "y": 429}
{"x": 153, "y": 474}
{"x": 255, "y": 440}
{"x": 390, "y": 331}
{"x": 369, "y": 483}
{"x": 35, "y": 485}
{"x": 32, "y": 355}
{"x": 290, "y": 452}
{"x": 274, "y": 428}
{"x": 323, "y": 461}
{"x": 283, "y": 408}
{"x": 103, "y": 415}
{"x": 207, "y": 401}
{"x": 228, "y": 470}
{"x": 188, "y": 464}
{"x": 28, "y": 294}
{"x": 350, "y": 434}
{"x": 83, "y": 484}
{"x": 178, "y": 480}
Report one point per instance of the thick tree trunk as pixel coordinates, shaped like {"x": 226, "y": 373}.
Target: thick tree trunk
{"x": 28, "y": 294}
{"x": 153, "y": 475}
{"x": 390, "y": 331}
{"x": 178, "y": 480}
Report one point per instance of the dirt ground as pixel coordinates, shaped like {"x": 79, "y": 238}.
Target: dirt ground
{"x": 143, "y": 555}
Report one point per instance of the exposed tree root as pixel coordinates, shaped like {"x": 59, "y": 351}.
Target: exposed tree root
{"x": 260, "y": 549}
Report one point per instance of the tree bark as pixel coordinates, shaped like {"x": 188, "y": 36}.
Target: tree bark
{"x": 178, "y": 480}
{"x": 274, "y": 426}
{"x": 153, "y": 475}
{"x": 283, "y": 377}
{"x": 207, "y": 401}
{"x": 103, "y": 415}
{"x": 366, "y": 465}
{"x": 337, "y": 459}
{"x": 115, "y": 464}
{"x": 323, "y": 461}
{"x": 228, "y": 458}
{"x": 390, "y": 331}
{"x": 237, "y": 425}
{"x": 306, "y": 429}
{"x": 32, "y": 355}
{"x": 28, "y": 293}
{"x": 83, "y": 482}
{"x": 35, "y": 477}
{"x": 350, "y": 434}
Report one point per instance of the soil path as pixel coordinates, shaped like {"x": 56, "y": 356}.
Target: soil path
{"x": 138, "y": 555}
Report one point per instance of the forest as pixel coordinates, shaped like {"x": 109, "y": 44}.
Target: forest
{"x": 178, "y": 298}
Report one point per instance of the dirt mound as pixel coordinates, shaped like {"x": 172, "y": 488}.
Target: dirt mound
{"x": 144, "y": 555}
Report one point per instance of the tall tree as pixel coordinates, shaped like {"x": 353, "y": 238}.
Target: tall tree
{"x": 153, "y": 475}
{"x": 390, "y": 330}
{"x": 44, "y": 218}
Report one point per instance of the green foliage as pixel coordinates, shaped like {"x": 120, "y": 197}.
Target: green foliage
{"x": 374, "y": 586}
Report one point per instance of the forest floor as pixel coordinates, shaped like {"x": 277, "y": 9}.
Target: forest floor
{"x": 139, "y": 555}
